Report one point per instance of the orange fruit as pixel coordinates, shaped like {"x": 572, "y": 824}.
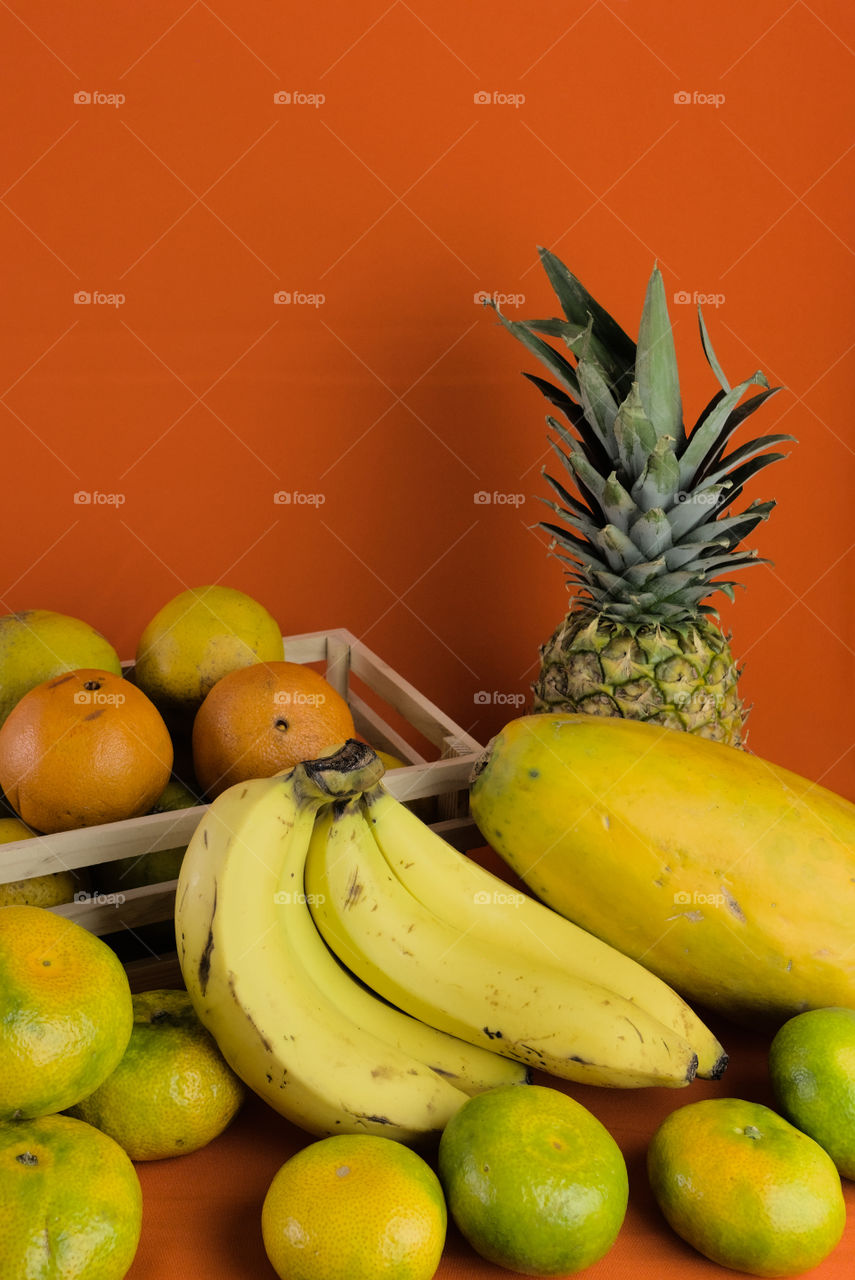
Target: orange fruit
{"x": 172, "y": 1092}
{"x": 533, "y": 1180}
{"x": 197, "y": 638}
{"x": 71, "y": 1202}
{"x": 264, "y": 719}
{"x": 83, "y": 748}
{"x": 745, "y": 1188}
{"x": 812, "y": 1071}
{"x": 38, "y": 643}
{"x": 65, "y": 1012}
{"x": 354, "y": 1205}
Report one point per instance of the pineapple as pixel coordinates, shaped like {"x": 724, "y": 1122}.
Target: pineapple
{"x": 649, "y": 528}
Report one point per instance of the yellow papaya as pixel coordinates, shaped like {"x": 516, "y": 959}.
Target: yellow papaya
{"x": 731, "y": 878}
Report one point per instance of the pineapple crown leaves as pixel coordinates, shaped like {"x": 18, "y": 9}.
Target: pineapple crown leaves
{"x": 651, "y": 527}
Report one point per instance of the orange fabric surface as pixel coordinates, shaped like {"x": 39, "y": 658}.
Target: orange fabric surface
{"x": 201, "y": 1216}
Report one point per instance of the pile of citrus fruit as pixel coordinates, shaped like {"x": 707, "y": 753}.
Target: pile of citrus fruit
{"x": 210, "y": 700}
{"x": 92, "y": 1079}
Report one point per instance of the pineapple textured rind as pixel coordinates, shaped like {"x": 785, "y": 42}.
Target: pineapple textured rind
{"x": 682, "y": 680}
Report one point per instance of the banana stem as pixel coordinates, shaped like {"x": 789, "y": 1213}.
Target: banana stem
{"x": 347, "y": 771}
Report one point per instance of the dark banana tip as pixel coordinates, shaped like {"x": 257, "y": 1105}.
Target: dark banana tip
{"x": 718, "y": 1068}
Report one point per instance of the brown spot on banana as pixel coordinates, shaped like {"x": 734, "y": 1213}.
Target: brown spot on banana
{"x": 634, "y": 1027}
{"x": 354, "y": 890}
{"x": 205, "y": 958}
{"x": 262, "y": 1037}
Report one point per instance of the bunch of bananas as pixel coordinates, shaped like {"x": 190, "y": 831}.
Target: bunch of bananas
{"x": 361, "y": 975}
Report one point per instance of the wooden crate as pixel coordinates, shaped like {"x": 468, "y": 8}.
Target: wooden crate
{"x": 440, "y": 783}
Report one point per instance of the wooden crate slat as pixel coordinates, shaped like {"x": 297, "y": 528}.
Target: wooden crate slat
{"x": 338, "y": 662}
{"x": 380, "y": 734}
{"x": 405, "y": 698}
{"x": 110, "y": 912}
{"x": 161, "y": 974}
{"x": 308, "y": 646}
{"x": 436, "y": 778}
{"x": 88, "y": 846}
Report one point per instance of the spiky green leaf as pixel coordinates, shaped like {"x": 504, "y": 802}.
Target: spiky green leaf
{"x": 689, "y": 554}
{"x": 634, "y": 436}
{"x": 660, "y": 479}
{"x": 742, "y": 454}
{"x": 740, "y": 475}
{"x": 710, "y": 354}
{"x": 652, "y": 532}
{"x": 656, "y": 363}
{"x": 694, "y": 510}
{"x": 572, "y": 504}
{"x": 620, "y": 551}
{"x": 734, "y": 528}
{"x": 613, "y": 500}
{"x": 735, "y": 420}
{"x": 615, "y": 349}
{"x": 707, "y": 433}
{"x": 561, "y": 368}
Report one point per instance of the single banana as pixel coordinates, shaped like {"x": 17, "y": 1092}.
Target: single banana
{"x": 533, "y": 1013}
{"x": 240, "y": 884}
{"x": 472, "y": 899}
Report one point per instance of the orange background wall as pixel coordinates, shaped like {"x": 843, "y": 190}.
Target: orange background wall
{"x": 716, "y": 138}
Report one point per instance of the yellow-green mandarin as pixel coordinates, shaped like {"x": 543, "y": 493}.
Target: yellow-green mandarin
{"x": 37, "y": 644}
{"x": 70, "y": 1202}
{"x": 356, "y": 1206}
{"x": 812, "y": 1070}
{"x": 195, "y": 639}
{"x": 172, "y": 1092}
{"x": 65, "y": 1012}
{"x": 745, "y": 1188}
{"x": 533, "y": 1180}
